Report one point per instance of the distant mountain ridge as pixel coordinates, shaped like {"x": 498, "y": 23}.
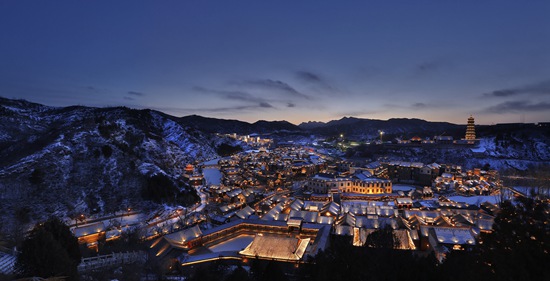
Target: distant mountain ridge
{"x": 350, "y": 126}
{"x": 227, "y": 126}
{"x": 371, "y": 127}
{"x": 346, "y": 125}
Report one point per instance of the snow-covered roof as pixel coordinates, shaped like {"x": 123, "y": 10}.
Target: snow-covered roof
{"x": 485, "y": 224}
{"x": 331, "y": 208}
{"x": 422, "y": 214}
{"x": 297, "y": 205}
{"x": 357, "y": 209}
{"x": 313, "y": 206}
{"x": 325, "y": 220}
{"x": 373, "y": 165}
{"x": 386, "y": 211}
{"x": 245, "y": 212}
{"x": 310, "y": 217}
{"x": 344, "y": 230}
{"x": 456, "y": 236}
{"x": 346, "y": 219}
{"x": 185, "y": 235}
{"x": 273, "y": 212}
{"x": 89, "y": 229}
{"x": 234, "y": 192}
{"x": 276, "y": 247}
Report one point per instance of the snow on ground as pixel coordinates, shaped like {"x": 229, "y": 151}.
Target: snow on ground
{"x": 518, "y": 164}
{"x": 478, "y": 149}
{"x": 131, "y": 219}
{"x": 485, "y": 144}
{"x": 523, "y": 189}
{"x": 234, "y": 244}
{"x": 4, "y": 136}
{"x": 7, "y": 263}
{"x": 211, "y": 162}
{"x": 121, "y": 123}
{"x": 150, "y": 169}
{"x": 475, "y": 200}
{"x": 402, "y": 187}
{"x": 429, "y": 203}
{"x": 125, "y": 220}
{"x": 204, "y": 198}
{"x": 543, "y": 151}
{"x": 361, "y": 203}
{"x": 527, "y": 190}
{"x": 212, "y": 176}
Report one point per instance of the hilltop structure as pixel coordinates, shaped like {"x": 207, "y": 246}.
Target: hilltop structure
{"x": 470, "y": 130}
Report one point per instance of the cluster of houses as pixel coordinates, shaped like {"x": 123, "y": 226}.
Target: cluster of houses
{"x": 249, "y": 177}
{"x": 438, "y": 225}
{"x": 345, "y": 200}
{"x": 276, "y": 168}
{"x": 257, "y": 210}
{"x": 441, "y": 178}
{"x": 254, "y": 140}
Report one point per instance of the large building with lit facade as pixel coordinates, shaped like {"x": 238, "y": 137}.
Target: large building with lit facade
{"x": 323, "y": 184}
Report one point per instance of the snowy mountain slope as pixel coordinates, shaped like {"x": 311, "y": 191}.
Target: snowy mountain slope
{"x": 83, "y": 160}
{"x": 527, "y": 150}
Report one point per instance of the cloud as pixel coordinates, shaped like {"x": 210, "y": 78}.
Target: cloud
{"x": 540, "y": 88}
{"x": 95, "y": 89}
{"x": 290, "y": 105}
{"x": 256, "y": 102}
{"x": 232, "y": 95}
{"x": 418, "y": 105}
{"x": 265, "y": 105}
{"x": 131, "y": 95}
{"x": 228, "y": 109}
{"x": 357, "y": 113}
{"x": 316, "y": 80}
{"x": 308, "y": 76}
{"x": 428, "y": 66}
{"x": 518, "y": 106}
{"x": 413, "y": 106}
{"x": 136, "y": 94}
{"x": 433, "y": 66}
{"x": 275, "y": 85}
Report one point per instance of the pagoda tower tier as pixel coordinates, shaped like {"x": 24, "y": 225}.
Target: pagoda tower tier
{"x": 470, "y": 129}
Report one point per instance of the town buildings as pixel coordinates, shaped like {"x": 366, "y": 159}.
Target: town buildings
{"x": 286, "y": 204}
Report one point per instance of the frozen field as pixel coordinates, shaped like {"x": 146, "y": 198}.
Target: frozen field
{"x": 212, "y": 176}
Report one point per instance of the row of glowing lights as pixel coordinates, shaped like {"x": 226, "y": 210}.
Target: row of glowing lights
{"x": 82, "y": 218}
{"x": 380, "y": 132}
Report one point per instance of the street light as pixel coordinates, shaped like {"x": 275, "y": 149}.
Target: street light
{"x": 381, "y": 134}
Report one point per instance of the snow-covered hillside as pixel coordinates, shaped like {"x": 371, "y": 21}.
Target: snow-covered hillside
{"x": 517, "y": 151}
{"x": 74, "y": 160}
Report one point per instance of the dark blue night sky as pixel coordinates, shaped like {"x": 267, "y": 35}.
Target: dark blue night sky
{"x": 274, "y": 60}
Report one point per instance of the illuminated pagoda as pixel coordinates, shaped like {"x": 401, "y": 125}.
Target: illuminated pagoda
{"x": 470, "y": 130}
